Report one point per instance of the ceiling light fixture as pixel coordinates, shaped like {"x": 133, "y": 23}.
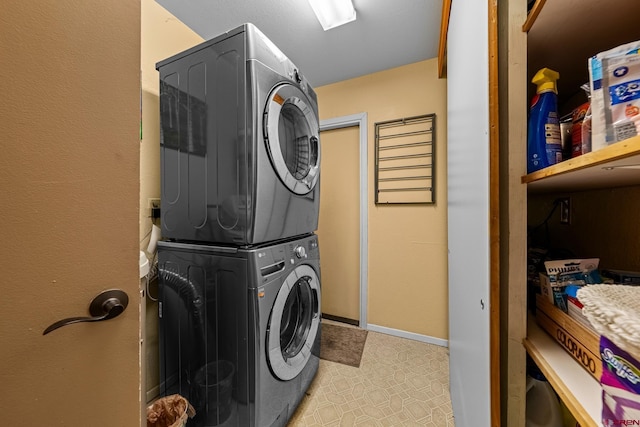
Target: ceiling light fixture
{"x": 333, "y": 13}
{"x": 610, "y": 168}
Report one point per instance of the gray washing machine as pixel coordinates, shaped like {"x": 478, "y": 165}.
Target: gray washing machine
{"x": 240, "y": 150}
{"x": 239, "y": 329}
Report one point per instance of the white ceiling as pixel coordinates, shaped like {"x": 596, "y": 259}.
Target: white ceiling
{"x": 386, "y": 33}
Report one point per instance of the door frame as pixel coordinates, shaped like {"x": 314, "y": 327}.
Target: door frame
{"x": 359, "y": 120}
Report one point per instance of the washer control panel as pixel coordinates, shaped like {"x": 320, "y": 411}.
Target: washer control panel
{"x": 303, "y": 250}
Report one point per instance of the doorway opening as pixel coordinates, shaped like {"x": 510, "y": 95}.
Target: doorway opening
{"x": 359, "y": 120}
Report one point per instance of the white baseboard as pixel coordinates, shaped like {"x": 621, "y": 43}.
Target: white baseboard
{"x": 409, "y": 335}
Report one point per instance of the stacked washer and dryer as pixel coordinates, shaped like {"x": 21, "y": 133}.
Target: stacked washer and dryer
{"x": 239, "y": 268}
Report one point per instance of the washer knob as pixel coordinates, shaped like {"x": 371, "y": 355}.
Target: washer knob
{"x": 300, "y": 252}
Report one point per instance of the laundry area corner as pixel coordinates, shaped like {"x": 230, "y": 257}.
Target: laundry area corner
{"x": 254, "y": 222}
{"x": 238, "y": 264}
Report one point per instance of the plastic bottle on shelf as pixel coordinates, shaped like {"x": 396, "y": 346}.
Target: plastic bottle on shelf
{"x": 543, "y": 407}
{"x": 544, "y": 142}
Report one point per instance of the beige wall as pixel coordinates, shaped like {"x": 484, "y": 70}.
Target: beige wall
{"x": 407, "y": 244}
{"x": 162, "y": 36}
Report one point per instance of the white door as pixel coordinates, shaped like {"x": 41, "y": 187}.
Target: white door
{"x": 339, "y": 223}
{"x": 69, "y": 173}
{"x": 468, "y": 212}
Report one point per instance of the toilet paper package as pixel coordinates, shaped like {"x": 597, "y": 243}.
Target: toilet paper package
{"x": 622, "y": 96}
{"x": 601, "y": 136}
{"x": 620, "y": 385}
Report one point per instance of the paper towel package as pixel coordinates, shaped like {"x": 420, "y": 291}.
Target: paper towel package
{"x": 620, "y": 385}
{"x": 601, "y": 136}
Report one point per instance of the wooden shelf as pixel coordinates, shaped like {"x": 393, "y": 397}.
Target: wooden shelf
{"x": 533, "y": 15}
{"x": 579, "y": 391}
{"x": 562, "y": 35}
{"x": 612, "y": 166}
{"x": 567, "y": 32}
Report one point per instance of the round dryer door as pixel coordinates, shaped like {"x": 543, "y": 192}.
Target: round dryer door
{"x": 291, "y": 130}
{"x": 294, "y": 323}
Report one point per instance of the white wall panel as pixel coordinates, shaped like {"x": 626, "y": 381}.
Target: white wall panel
{"x": 468, "y": 211}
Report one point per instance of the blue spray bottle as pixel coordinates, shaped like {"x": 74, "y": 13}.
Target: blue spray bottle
{"x": 544, "y": 144}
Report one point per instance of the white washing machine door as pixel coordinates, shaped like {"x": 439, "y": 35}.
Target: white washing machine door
{"x": 291, "y": 131}
{"x": 294, "y": 323}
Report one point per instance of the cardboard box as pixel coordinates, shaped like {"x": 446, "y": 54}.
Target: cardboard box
{"x": 550, "y": 290}
{"x": 622, "y": 277}
{"x": 561, "y": 273}
{"x": 581, "y": 343}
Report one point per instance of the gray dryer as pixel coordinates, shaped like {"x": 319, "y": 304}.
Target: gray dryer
{"x": 240, "y": 150}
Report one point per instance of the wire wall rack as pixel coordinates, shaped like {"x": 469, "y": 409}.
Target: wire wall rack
{"x": 405, "y": 160}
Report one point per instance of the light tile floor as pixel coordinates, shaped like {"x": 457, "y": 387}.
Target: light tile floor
{"x": 400, "y": 382}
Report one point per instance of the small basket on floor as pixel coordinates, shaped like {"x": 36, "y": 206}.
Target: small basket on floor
{"x": 170, "y": 411}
